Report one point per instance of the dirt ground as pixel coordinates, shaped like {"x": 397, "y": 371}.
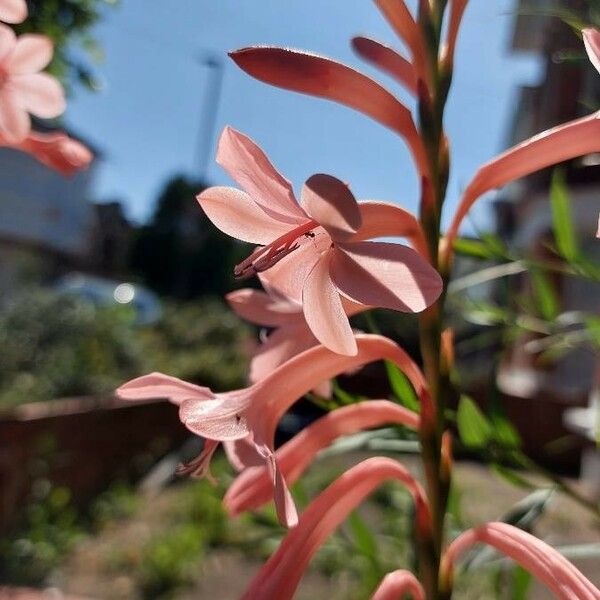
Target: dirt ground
{"x": 224, "y": 573}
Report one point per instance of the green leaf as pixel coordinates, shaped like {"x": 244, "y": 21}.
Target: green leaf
{"x": 511, "y": 476}
{"x": 401, "y": 387}
{"x": 474, "y": 429}
{"x": 472, "y": 248}
{"x": 562, "y": 220}
{"x": 521, "y": 582}
{"x": 342, "y": 395}
{"x": 363, "y": 537}
{"x": 547, "y": 300}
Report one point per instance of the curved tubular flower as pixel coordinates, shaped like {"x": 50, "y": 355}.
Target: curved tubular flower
{"x": 291, "y": 333}
{"x": 315, "y": 75}
{"x": 397, "y": 584}
{"x": 55, "y": 150}
{"x": 23, "y": 89}
{"x": 540, "y": 559}
{"x": 564, "y": 142}
{"x": 457, "y": 9}
{"x": 314, "y": 251}
{"x": 13, "y": 11}
{"x": 280, "y": 575}
{"x": 254, "y": 412}
{"x": 388, "y": 60}
{"x": 253, "y": 488}
{"x": 402, "y": 22}
{"x": 591, "y": 41}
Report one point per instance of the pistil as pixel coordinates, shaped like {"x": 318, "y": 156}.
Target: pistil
{"x": 265, "y": 257}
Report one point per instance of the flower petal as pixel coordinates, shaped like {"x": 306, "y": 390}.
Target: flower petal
{"x": 280, "y": 575}
{"x": 235, "y": 214}
{"x": 323, "y": 310}
{"x": 591, "y": 40}
{"x": 40, "y": 94}
{"x": 31, "y": 54}
{"x": 567, "y": 141}
{"x": 222, "y": 418}
{"x": 316, "y": 75}
{"x": 8, "y": 39}
{"x": 381, "y": 219}
{"x": 297, "y": 376}
{"x": 457, "y": 9}
{"x": 281, "y": 345}
{"x": 13, "y": 11}
{"x": 330, "y": 202}
{"x": 253, "y": 488}
{"x": 402, "y": 22}
{"x": 259, "y": 307}
{"x": 157, "y": 385}
{"x": 57, "y": 151}
{"x": 242, "y": 454}
{"x": 398, "y": 584}
{"x": 250, "y": 167}
{"x": 543, "y": 561}
{"x": 388, "y": 60}
{"x": 385, "y": 275}
{"x": 15, "y": 123}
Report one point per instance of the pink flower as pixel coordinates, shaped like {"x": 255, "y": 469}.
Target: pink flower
{"x": 591, "y": 41}
{"x": 402, "y": 22}
{"x": 280, "y": 575}
{"x": 253, "y": 488}
{"x": 291, "y": 333}
{"x": 316, "y": 75}
{"x": 55, "y": 150}
{"x": 316, "y": 250}
{"x": 254, "y": 412}
{"x": 388, "y": 60}
{"x": 457, "y": 9}
{"x": 564, "y": 142}
{"x": 13, "y": 11}
{"x": 541, "y": 560}
{"x": 23, "y": 89}
{"x": 397, "y": 584}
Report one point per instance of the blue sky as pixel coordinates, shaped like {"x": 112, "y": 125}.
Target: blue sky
{"x": 147, "y": 118}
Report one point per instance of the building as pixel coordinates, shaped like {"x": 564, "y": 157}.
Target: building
{"x": 540, "y": 393}
{"x": 46, "y": 219}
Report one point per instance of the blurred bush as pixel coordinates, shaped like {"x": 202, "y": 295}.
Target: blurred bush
{"x": 201, "y": 341}
{"x": 55, "y": 345}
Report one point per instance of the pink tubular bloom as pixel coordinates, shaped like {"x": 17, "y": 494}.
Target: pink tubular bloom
{"x": 291, "y": 333}
{"x": 555, "y": 145}
{"x": 388, "y": 60}
{"x": 315, "y": 251}
{"x": 253, "y": 488}
{"x": 591, "y": 41}
{"x": 567, "y": 141}
{"x": 398, "y": 16}
{"x": 13, "y": 11}
{"x": 315, "y": 75}
{"x": 280, "y": 575}
{"x": 23, "y": 89}
{"x": 537, "y": 557}
{"x": 457, "y": 9}
{"x": 55, "y": 150}
{"x": 397, "y": 584}
{"x": 253, "y": 412}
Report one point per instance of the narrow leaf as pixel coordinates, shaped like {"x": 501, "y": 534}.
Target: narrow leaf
{"x": 562, "y": 220}
{"x": 401, "y": 387}
{"x": 474, "y": 429}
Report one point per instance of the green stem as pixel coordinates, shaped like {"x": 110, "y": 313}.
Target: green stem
{"x": 437, "y": 476}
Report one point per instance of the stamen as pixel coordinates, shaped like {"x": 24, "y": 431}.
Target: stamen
{"x": 265, "y": 257}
